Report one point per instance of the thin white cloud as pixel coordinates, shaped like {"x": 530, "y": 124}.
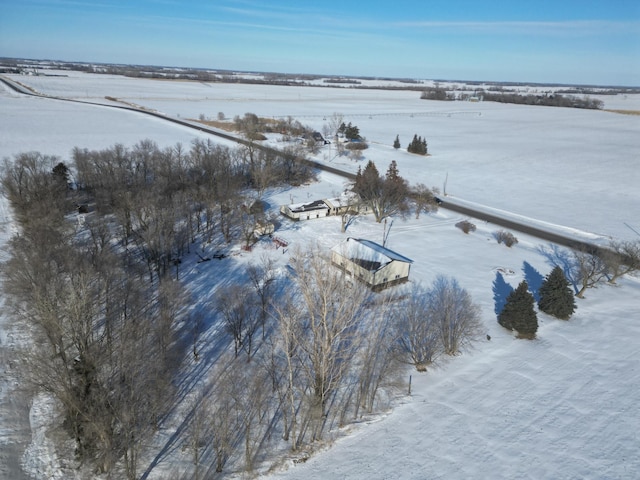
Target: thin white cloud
{"x": 537, "y": 27}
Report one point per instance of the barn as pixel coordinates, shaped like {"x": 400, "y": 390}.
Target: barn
{"x": 371, "y": 263}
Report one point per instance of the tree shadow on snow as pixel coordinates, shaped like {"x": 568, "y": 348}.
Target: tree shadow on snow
{"x": 534, "y": 279}
{"x": 564, "y": 259}
{"x": 501, "y": 291}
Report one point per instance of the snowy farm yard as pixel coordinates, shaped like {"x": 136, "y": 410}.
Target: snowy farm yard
{"x": 563, "y": 406}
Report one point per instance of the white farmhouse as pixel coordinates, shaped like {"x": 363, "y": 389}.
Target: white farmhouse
{"x": 371, "y": 263}
{"x": 344, "y": 204}
{"x": 305, "y": 211}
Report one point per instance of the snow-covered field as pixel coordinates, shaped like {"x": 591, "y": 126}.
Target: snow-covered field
{"x": 563, "y": 406}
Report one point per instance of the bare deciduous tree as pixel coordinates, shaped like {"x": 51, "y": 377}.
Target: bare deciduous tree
{"x": 377, "y": 364}
{"x": 453, "y": 310}
{"x": 263, "y": 280}
{"x": 622, "y": 258}
{"x": 33, "y": 190}
{"x": 419, "y": 336}
{"x": 590, "y": 270}
{"x": 424, "y": 199}
{"x": 331, "y": 313}
{"x": 241, "y": 316}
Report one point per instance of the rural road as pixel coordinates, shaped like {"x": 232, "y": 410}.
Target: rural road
{"x": 511, "y": 224}
{"x": 15, "y": 410}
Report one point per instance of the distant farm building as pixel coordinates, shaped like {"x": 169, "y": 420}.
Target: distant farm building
{"x": 371, "y": 263}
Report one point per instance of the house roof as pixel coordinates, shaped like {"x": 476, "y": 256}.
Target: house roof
{"x": 368, "y": 254}
{"x": 344, "y": 200}
{"x": 307, "y": 207}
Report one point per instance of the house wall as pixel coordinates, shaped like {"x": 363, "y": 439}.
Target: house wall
{"x": 304, "y": 215}
{"x": 391, "y": 274}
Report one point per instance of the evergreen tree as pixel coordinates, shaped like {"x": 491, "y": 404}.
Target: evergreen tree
{"x": 556, "y": 296}
{"x": 396, "y": 142}
{"x": 61, "y": 174}
{"x": 392, "y": 172}
{"x": 386, "y": 195}
{"x": 351, "y": 132}
{"x": 418, "y": 145}
{"x": 411, "y": 148}
{"x": 518, "y": 313}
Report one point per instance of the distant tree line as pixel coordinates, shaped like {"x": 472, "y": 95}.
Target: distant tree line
{"x": 519, "y": 98}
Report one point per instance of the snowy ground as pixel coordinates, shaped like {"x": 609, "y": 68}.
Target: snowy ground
{"x": 558, "y": 407}
{"x": 563, "y": 166}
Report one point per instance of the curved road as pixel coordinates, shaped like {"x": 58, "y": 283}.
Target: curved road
{"x": 527, "y": 229}
{"x": 14, "y": 446}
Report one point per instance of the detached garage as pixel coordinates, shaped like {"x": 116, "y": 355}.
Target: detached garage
{"x": 371, "y": 263}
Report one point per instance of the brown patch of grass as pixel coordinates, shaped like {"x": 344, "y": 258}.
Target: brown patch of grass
{"x": 226, "y": 126}
{"x": 623, "y": 112}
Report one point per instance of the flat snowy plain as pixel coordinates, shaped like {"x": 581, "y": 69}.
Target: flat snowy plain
{"x": 562, "y": 406}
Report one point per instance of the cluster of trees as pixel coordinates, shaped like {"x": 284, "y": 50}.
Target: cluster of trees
{"x": 162, "y": 199}
{"x": 350, "y": 132}
{"x": 439, "y": 320}
{"x": 571, "y": 276}
{"x": 336, "y": 350}
{"x": 551, "y": 100}
{"x": 104, "y": 337}
{"x": 113, "y": 328}
{"x": 390, "y": 194}
{"x": 252, "y": 126}
{"x": 385, "y": 195}
{"x": 588, "y": 267}
{"x": 97, "y": 295}
{"x": 418, "y": 145}
{"x": 554, "y": 298}
{"x": 436, "y": 93}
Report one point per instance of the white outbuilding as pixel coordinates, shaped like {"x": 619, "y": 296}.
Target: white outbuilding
{"x": 371, "y": 263}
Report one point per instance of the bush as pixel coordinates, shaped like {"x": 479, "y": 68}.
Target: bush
{"x": 466, "y": 226}
{"x": 505, "y": 237}
{"x": 356, "y": 146}
{"x": 256, "y": 136}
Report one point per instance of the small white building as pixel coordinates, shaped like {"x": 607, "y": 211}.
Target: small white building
{"x": 305, "y": 211}
{"x": 371, "y": 263}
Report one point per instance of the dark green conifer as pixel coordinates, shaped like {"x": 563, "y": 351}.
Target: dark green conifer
{"x": 556, "y": 296}
{"x": 518, "y": 313}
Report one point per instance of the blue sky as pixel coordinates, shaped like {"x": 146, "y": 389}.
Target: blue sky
{"x": 564, "y": 41}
